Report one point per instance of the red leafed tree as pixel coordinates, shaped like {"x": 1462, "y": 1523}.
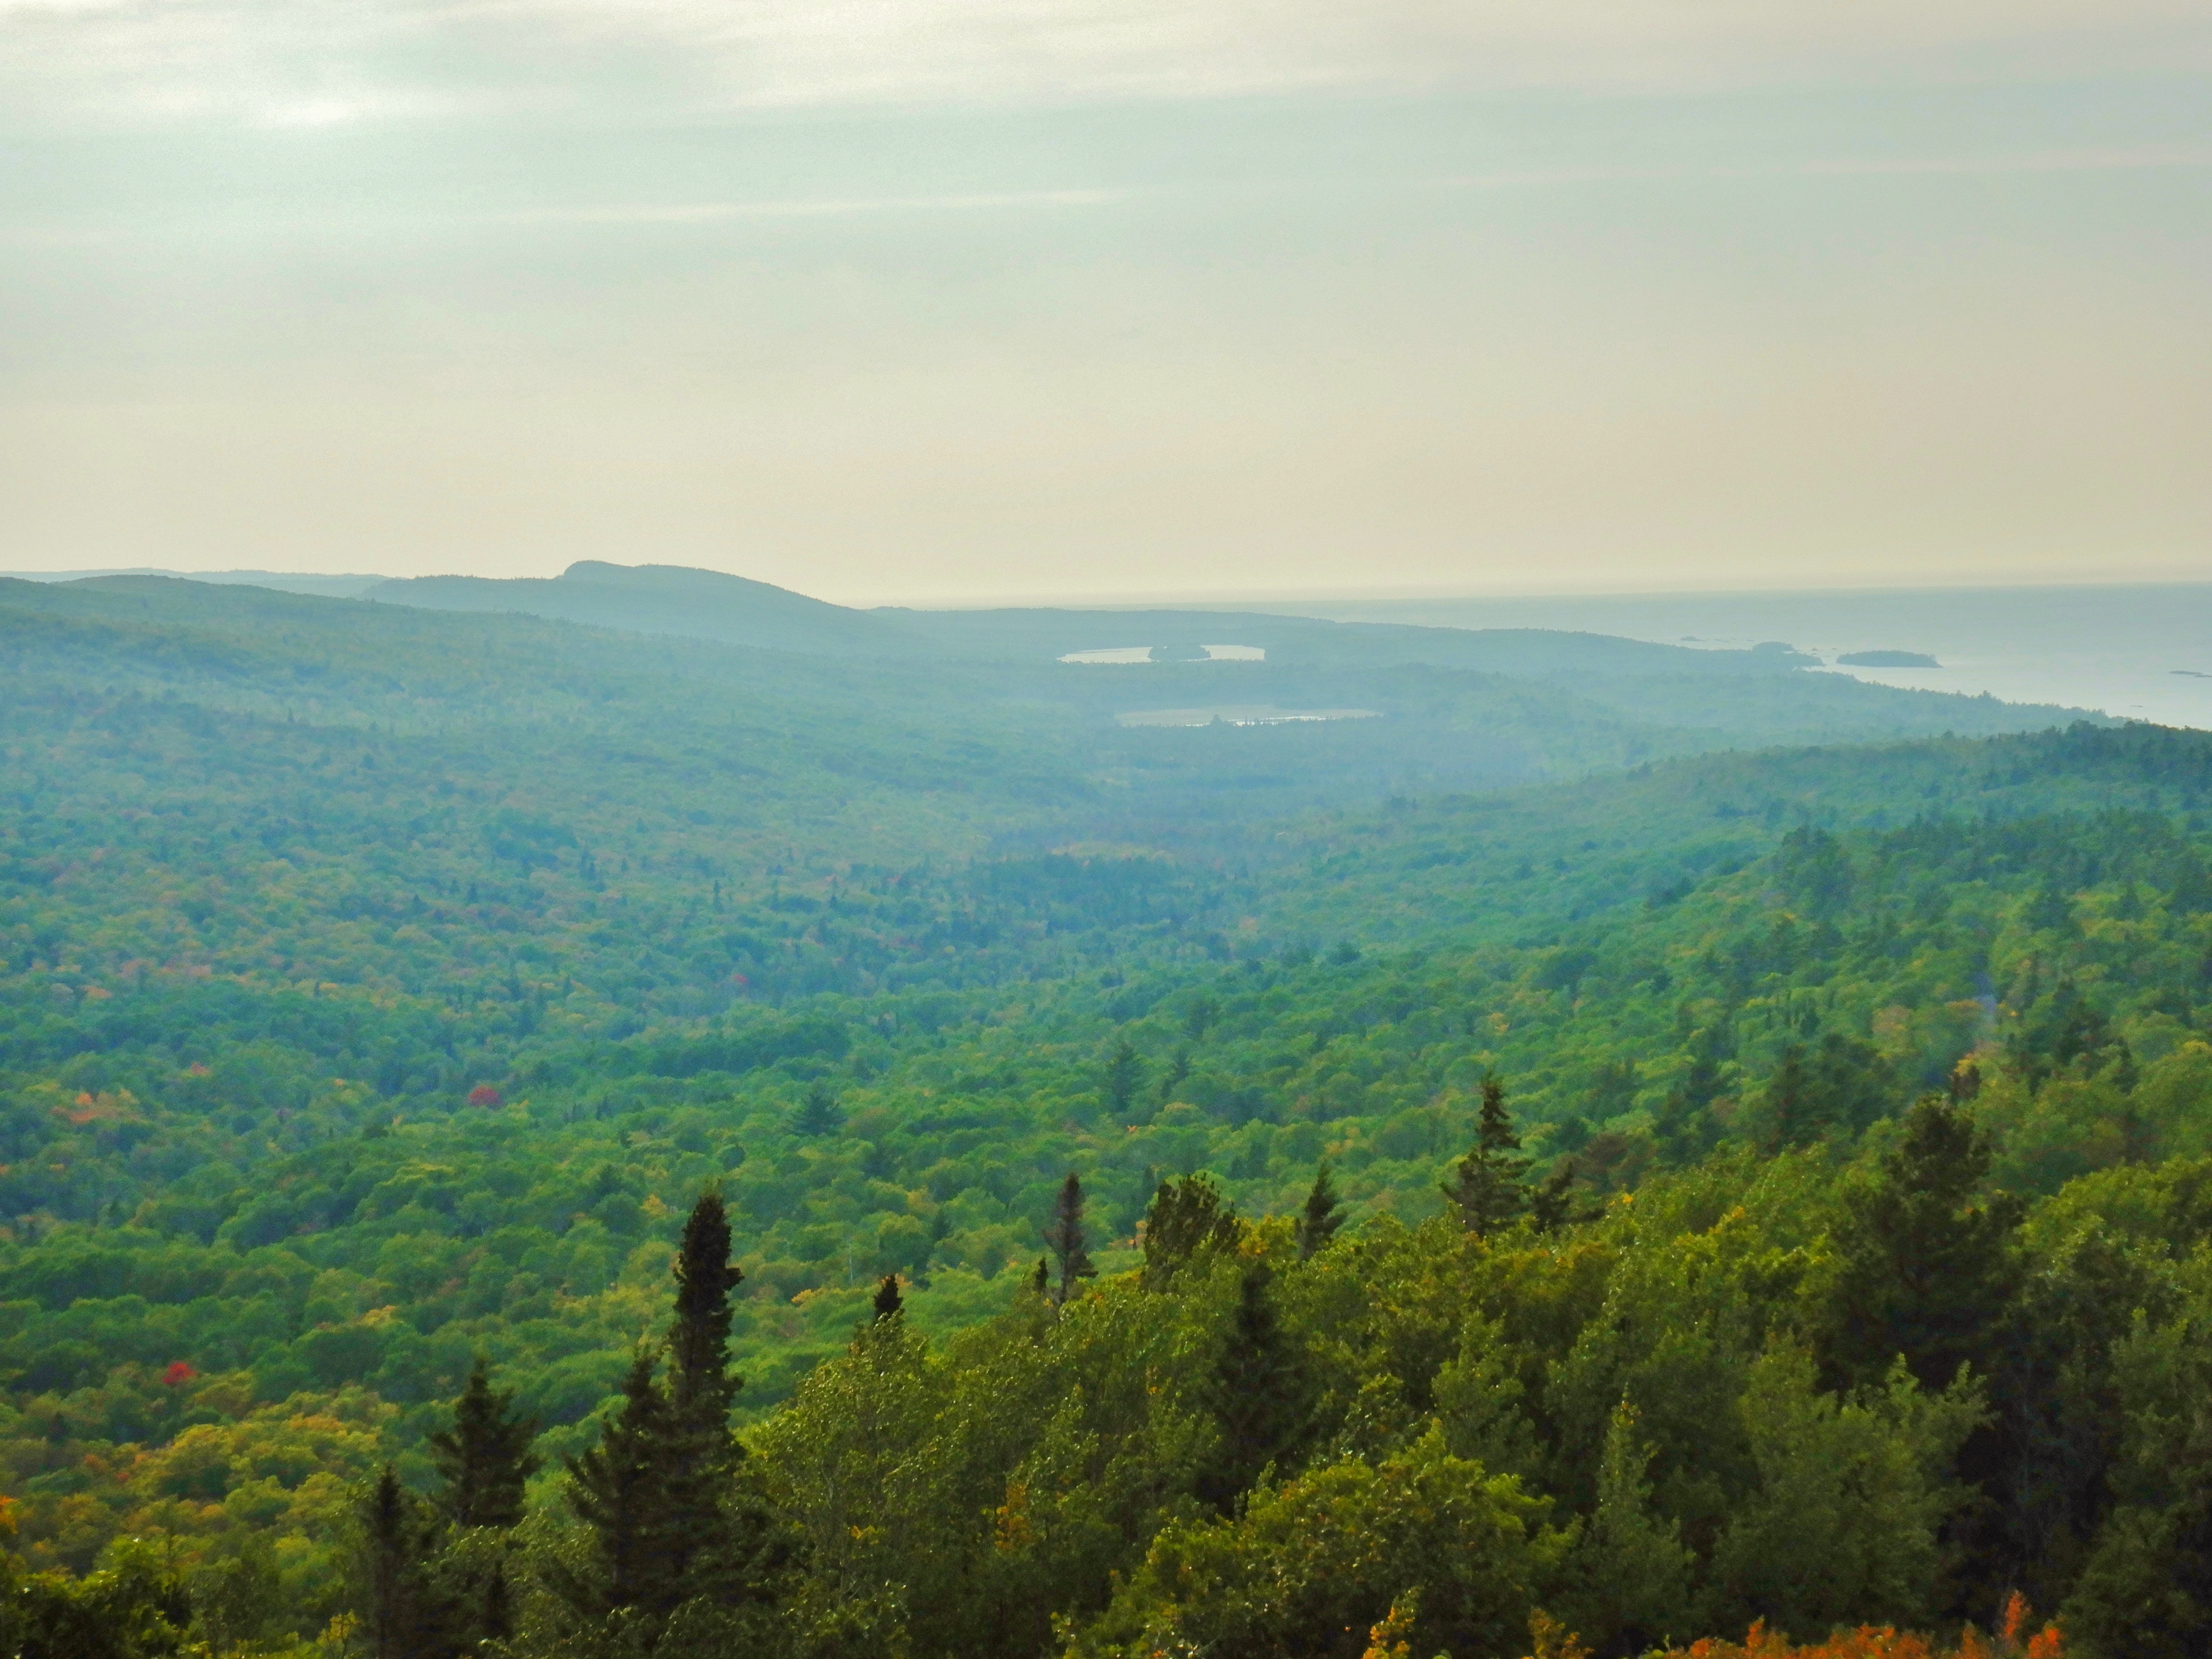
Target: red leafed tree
{"x": 484, "y": 1094}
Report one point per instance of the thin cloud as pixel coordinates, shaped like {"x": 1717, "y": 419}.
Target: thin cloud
{"x": 693, "y": 213}
{"x": 329, "y": 61}
{"x": 2142, "y": 158}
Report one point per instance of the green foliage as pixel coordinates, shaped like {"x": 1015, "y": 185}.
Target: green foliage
{"x": 819, "y": 1114}
{"x": 1628, "y": 1573}
{"x": 1842, "y": 1524}
{"x": 1308, "y": 1567}
{"x": 616, "y": 1489}
{"x": 678, "y": 1531}
{"x": 1187, "y": 1218}
{"x": 135, "y": 1606}
{"x": 1123, "y": 1076}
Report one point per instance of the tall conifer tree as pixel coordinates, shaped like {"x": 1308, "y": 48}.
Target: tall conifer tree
{"x": 676, "y": 1514}
{"x": 718, "y": 1526}
{"x": 700, "y": 1386}
{"x": 1259, "y": 1393}
{"x": 484, "y": 1459}
{"x": 617, "y": 1489}
{"x": 1322, "y": 1215}
{"x": 1187, "y": 1217}
{"x": 1124, "y": 1075}
{"x": 1068, "y": 1241}
{"x": 1925, "y": 1272}
{"x": 1489, "y": 1187}
{"x": 485, "y": 1462}
{"x": 400, "y": 1614}
{"x": 889, "y": 1303}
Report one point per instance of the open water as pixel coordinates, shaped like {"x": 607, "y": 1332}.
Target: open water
{"x": 2133, "y": 651}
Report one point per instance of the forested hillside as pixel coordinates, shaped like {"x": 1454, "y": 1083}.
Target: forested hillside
{"x": 382, "y": 986}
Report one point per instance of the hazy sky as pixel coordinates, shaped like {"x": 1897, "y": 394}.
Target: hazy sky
{"x": 905, "y": 298}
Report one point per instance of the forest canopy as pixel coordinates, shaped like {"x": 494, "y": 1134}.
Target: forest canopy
{"x": 516, "y": 1133}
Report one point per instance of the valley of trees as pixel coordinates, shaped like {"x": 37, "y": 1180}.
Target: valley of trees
{"x": 515, "y": 1139}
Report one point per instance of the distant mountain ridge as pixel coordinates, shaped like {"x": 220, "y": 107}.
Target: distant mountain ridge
{"x": 667, "y": 598}
{"x": 708, "y": 604}
{"x": 684, "y": 602}
{"x": 342, "y": 586}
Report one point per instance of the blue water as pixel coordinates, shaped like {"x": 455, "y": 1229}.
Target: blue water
{"x": 2114, "y": 648}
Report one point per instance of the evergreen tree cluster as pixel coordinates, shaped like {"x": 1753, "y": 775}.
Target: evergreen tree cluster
{"x": 674, "y": 1532}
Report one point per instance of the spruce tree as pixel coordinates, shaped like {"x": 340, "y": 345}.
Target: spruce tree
{"x": 1321, "y": 1217}
{"x": 1065, "y": 1239}
{"x": 1489, "y": 1187}
{"x": 484, "y": 1459}
{"x": 1628, "y": 1577}
{"x": 1173, "y": 1078}
{"x": 1187, "y": 1218}
{"x": 617, "y": 1488}
{"x": 399, "y": 1611}
{"x": 700, "y": 1386}
{"x": 485, "y": 1462}
{"x": 889, "y": 1303}
{"x": 1551, "y": 1207}
{"x": 1925, "y": 1272}
{"x": 1787, "y": 1109}
{"x": 1124, "y": 1075}
{"x": 818, "y": 1115}
{"x": 1260, "y": 1395}
{"x": 717, "y": 1523}
{"x": 675, "y": 1511}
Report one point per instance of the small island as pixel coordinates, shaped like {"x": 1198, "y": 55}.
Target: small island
{"x": 1886, "y": 659}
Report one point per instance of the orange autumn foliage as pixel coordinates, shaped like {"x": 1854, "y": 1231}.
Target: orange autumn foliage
{"x": 1389, "y": 1639}
{"x": 1887, "y": 1642}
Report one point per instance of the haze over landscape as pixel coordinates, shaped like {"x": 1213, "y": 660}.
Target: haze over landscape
{"x": 941, "y": 299}
{"x": 1025, "y": 830}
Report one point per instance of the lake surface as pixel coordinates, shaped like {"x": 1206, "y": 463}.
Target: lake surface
{"x": 2133, "y": 651}
{"x": 1129, "y": 653}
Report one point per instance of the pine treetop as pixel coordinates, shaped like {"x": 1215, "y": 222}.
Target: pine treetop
{"x": 617, "y": 1488}
{"x": 484, "y": 1458}
{"x": 889, "y": 1303}
{"x": 1322, "y": 1215}
{"x": 1187, "y": 1218}
{"x": 819, "y": 1114}
{"x": 1551, "y": 1205}
{"x": 1494, "y": 1131}
{"x": 1489, "y": 1186}
{"x": 1259, "y": 1393}
{"x": 1065, "y": 1238}
{"x": 699, "y": 1336}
